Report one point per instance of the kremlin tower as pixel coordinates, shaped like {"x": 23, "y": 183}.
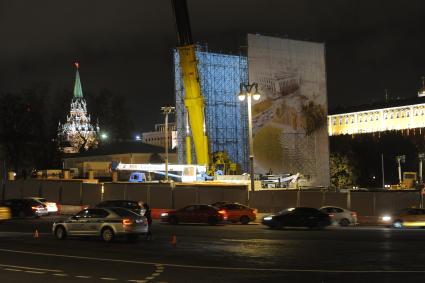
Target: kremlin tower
{"x": 77, "y": 133}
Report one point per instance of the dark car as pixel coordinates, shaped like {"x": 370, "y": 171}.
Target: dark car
{"x": 298, "y": 217}
{"x": 26, "y": 207}
{"x": 237, "y": 212}
{"x": 128, "y": 204}
{"x": 198, "y": 213}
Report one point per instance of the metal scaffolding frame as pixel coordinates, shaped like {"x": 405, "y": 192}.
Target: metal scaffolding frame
{"x": 226, "y": 117}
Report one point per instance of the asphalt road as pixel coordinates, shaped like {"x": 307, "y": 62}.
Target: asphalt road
{"x": 228, "y": 253}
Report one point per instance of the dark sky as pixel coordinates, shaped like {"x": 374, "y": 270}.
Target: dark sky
{"x": 125, "y": 46}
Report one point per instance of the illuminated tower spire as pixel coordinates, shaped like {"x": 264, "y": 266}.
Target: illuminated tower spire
{"x": 78, "y": 90}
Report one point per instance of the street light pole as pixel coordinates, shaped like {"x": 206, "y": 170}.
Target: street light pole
{"x": 166, "y": 110}
{"x": 246, "y": 92}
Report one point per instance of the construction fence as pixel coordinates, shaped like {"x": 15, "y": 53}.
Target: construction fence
{"x": 175, "y": 196}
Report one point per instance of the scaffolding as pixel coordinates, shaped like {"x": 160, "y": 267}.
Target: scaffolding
{"x": 226, "y": 117}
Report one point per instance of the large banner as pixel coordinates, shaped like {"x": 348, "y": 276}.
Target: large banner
{"x": 289, "y": 121}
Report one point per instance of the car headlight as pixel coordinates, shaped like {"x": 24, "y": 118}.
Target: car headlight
{"x": 164, "y": 214}
{"x": 268, "y": 218}
{"x": 386, "y": 218}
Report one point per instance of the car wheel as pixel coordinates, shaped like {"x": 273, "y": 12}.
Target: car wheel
{"x": 244, "y": 220}
{"x": 398, "y": 224}
{"x": 60, "y": 233}
{"x": 344, "y": 222}
{"x": 173, "y": 220}
{"x": 212, "y": 220}
{"x": 107, "y": 234}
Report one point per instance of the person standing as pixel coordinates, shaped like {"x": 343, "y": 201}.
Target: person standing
{"x": 148, "y": 216}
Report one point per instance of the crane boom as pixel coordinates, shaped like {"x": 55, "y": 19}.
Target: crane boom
{"x": 194, "y": 101}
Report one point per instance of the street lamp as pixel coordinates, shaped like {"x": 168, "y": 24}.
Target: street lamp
{"x": 104, "y": 136}
{"x": 166, "y": 110}
{"x": 421, "y": 157}
{"x": 400, "y": 159}
{"x": 247, "y": 91}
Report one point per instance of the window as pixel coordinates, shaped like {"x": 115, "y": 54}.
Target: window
{"x": 346, "y": 120}
{"x": 340, "y": 120}
{"x": 334, "y": 121}
{"x": 385, "y": 115}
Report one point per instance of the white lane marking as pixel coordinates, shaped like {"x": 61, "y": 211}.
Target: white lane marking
{"x": 156, "y": 274}
{"x": 83, "y": 276}
{"x": 213, "y": 267}
{"x": 12, "y": 269}
{"x": 32, "y": 268}
{"x": 60, "y": 274}
{"x": 107, "y": 278}
{"x": 138, "y": 281}
{"x": 35, "y": 272}
{"x": 150, "y": 277}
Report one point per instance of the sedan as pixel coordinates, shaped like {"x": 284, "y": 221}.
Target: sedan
{"x": 407, "y": 217}
{"x": 340, "y": 216}
{"x": 237, "y": 212}
{"x": 51, "y": 206}
{"x": 106, "y": 223}
{"x": 298, "y": 217}
{"x": 198, "y": 213}
{"x": 26, "y": 207}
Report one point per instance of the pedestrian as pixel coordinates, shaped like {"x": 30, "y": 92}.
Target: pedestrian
{"x": 148, "y": 216}
{"x": 142, "y": 208}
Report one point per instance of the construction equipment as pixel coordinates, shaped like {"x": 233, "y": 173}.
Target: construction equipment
{"x": 194, "y": 101}
{"x": 408, "y": 182}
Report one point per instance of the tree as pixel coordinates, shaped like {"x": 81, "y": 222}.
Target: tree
{"x": 341, "y": 171}
{"x": 315, "y": 117}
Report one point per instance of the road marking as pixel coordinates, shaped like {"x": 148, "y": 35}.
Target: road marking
{"x": 150, "y": 277}
{"x": 211, "y": 267}
{"x": 83, "y": 276}
{"x": 12, "y": 269}
{"x": 36, "y": 272}
{"x": 33, "y": 268}
{"x": 108, "y": 278}
{"x": 60, "y": 274}
{"x": 138, "y": 281}
{"x": 156, "y": 274}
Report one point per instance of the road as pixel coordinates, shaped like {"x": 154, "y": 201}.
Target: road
{"x": 228, "y": 253}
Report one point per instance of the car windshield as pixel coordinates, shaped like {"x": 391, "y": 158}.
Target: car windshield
{"x": 286, "y": 211}
{"x": 124, "y": 212}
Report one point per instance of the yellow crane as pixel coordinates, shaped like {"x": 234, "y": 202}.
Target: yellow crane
{"x": 194, "y": 101}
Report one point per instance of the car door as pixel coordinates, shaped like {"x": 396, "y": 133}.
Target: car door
{"x": 94, "y": 220}
{"x": 75, "y": 223}
{"x": 202, "y": 213}
{"x": 186, "y": 214}
{"x": 233, "y": 211}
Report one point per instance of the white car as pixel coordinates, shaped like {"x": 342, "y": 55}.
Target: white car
{"x": 51, "y": 206}
{"x": 341, "y": 216}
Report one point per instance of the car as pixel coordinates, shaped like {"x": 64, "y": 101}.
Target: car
{"x": 197, "y": 213}
{"x": 5, "y": 213}
{"x": 340, "y": 216}
{"x": 406, "y": 217}
{"x": 237, "y": 212}
{"x": 52, "y": 207}
{"x": 106, "y": 223}
{"x": 298, "y": 217}
{"x": 128, "y": 204}
{"x": 26, "y": 207}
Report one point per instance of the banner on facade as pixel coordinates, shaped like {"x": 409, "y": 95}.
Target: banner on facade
{"x": 289, "y": 121}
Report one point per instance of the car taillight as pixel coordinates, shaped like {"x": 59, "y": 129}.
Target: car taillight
{"x": 222, "y": 212}
{"x": 354, "y": 214}
{"x": 255, "y": 211}
{"x": 126, "y": 222}
{"x": 34, "y": 207}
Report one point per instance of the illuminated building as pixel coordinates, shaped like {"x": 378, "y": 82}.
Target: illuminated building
{"x": 77, "y": 133}
{"x": 392, "y": 115}
{"x": 157, "y": 137}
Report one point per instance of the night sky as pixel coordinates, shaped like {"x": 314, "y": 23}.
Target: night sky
{"x": 125, "y": 46}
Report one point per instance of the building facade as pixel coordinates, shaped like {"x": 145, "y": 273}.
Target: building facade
{"x": 77, "y": 133}
{"x": 157, "y": 137}
{"x": 398, "y": 115}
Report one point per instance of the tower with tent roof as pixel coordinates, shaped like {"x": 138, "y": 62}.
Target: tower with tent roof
{"x": 77, "y": 133}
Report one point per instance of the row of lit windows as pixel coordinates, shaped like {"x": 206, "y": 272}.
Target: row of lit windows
{"x": 398, "y": 114}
